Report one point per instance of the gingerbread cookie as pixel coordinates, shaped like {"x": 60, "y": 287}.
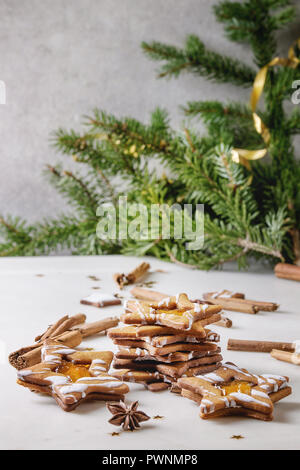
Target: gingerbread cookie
{"x": 231, "y": 390}
{"x": 72, "y": 376}
{"x": 155, "y": 381}
{"x": 160, "y": 341}
{"x": 156, "y": 330}
{"x": 176, "y": 369}
{"x": 168, "y": 348}
{"x": 137, "y": 376}
{"x": 174, "y": 312}
{"x": 138, "y": 354}
{"x": 160, "y": 335}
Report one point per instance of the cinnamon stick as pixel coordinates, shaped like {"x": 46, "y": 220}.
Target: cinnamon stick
{"x": 292, "y": 358}
{"x": 31, "y": 355}
{"x": 287, "y": 271}
{"x": 89, "y": 329}
{"x": 258, "y": 346}
{"x": 226, "y": 322}
{"x": 136, "y": 275}
{"x": 240, "y": 305}
{"x": 147, "y": 294}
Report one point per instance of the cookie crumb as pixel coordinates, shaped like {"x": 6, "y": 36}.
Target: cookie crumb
{"x": 238, "y": 436}
{"x": 93, "y": 278}
{"x": 147, "y": 284}
{"x": 158, "y": 417}
{"x": 119, "y": 296}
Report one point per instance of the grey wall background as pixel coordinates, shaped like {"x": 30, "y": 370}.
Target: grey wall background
{"x": 61, "y": 58}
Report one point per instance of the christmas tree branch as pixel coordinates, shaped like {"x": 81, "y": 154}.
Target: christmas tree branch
{"x": 248, "y": 245}
{"x": 199, "y": 60}
{"x": 248, "y": 213}
{"x": 79, "y": 192}
{"x": 293, "y": 123}
{"x": 214, "y": 110}
{"x": 254, "y": 21}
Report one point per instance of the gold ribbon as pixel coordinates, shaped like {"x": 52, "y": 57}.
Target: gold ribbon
{"x": 244, "y": 156}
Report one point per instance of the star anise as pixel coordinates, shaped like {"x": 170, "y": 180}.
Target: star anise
{"x": 127, "y": 416}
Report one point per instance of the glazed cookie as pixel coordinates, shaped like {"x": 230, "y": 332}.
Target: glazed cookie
{"x": 231, "y": 390}
{"x": 174, "y": 312}
{"x": 138, "y": 354}
{"x": 72, "y": 376}
{"x": 137, "y": 376}
{"x": 168, "y": 348}
{"x": 159, "y": 335}
{"x": 176, "y": 369}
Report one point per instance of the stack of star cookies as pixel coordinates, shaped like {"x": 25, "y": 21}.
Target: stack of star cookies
{"x": 161, "y": 342}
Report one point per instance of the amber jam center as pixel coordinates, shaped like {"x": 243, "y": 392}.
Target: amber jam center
{"x": 173, "y": 312}
{"x": 236, "y": 386}
{"x": 74, "y": 371}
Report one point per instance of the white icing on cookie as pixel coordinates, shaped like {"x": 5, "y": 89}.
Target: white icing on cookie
{"x": 207, "y": 405}
{"x": 98, "y": 361}
{"x": 164, "y": 301}
{"x": 235, "y": 368}
{"x": 243, "y": 397}
{"x": 200, "y": 308}
{"x": 58, "y": 379}
{"x": 259, "y": 393}
{"x": 24, "y": 373}
{"x": 212, "y": 377}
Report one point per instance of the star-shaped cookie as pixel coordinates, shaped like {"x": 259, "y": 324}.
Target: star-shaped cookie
{"x": 73, "y": 376}
{"x": 231, "y": 390}
{"x": 176, "y": 312}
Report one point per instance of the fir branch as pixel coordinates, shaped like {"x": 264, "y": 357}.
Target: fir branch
{"x": 248, "y": 245}
{"x": 234, "y": 118}
{"x": 83, "y": 186}
{"x": 255, "y": 22}
{"x": 214, "y": 111}
{"x": 282, "y": 18}
{"x": 260, "y": 220}
{"x": 180, "y": 263}
{"x": 293, "y": 123}
{"x": 199, "y": 60}
{"x": 80, "y": 193}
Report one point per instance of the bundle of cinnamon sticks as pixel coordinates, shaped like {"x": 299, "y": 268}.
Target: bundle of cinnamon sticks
{"x": 237, "y": 302}
{"x": 67, "y": 330}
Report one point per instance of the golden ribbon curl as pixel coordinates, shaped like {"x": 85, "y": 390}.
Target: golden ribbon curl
{"x": 244, "y": 156}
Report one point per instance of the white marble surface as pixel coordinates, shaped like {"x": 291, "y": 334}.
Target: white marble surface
{"x": 29, "y": 302}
